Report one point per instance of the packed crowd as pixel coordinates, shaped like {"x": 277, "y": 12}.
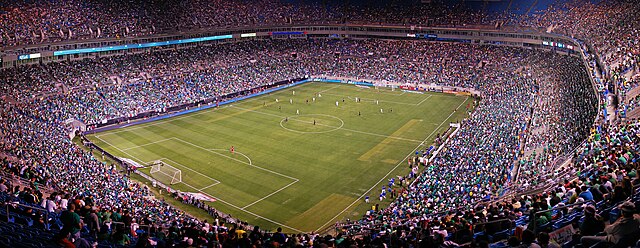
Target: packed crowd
{"x": 483, "y": 151}
{"x": 610, "y": 28}
{"x": 32, "y": 22}
{"x": 508, "y": 120}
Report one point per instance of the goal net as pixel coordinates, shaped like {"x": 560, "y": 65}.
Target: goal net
{"x": 165, "y": 173}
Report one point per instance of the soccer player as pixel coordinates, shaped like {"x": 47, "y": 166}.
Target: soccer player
{"x": 314, "y": 122}
{"x": 232, "y": 149}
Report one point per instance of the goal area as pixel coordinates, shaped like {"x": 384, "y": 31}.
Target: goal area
{"x": 165, "y": 173}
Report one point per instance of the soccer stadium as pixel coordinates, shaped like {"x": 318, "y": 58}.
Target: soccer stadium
{"x": 283, "y": 123}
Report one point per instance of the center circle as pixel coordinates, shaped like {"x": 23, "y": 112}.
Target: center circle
{"x": 311, "y": 123}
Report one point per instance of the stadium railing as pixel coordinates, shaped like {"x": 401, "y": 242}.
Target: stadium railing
{"x": 13, "y": 180}
{"x": 16, "y": 204}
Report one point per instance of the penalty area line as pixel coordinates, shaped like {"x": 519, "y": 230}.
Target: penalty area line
{"x": 209, "y": 195}
{"x": 213, "y": 184}
{"x": 272, "y": 193}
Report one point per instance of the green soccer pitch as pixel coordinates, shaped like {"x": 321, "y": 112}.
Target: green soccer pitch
{"x": 285, "y": 170}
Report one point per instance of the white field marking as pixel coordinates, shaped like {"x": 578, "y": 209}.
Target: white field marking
{"x": 235, "y": 159}
{"x": 391, "y": 94}
{"x": 186, "y": 167}
{"x": 241, "y": 209}
{"x": 155, "y": 142}
{"x": 175, "y": 118}
{"x": 325, "y": 90}
{"x": 145, "y": 163}
{"x": 320, "y": 124}
{"x": 167, "y": 176}
{"x": 373, "y": 100}
{"x": 267, "y": 196}
{"x": 426, "y": 98}
{"x": 117, "y": 148}
{"x": 155, "y": 123}
{"x": 200, "y": 112}
{"x": 217, "y": 198}
{"x": 393, "y": 169}
{"x": 214, "y": 184}
{"x": 236, "y": 207}
{"x": 248, "y": 212}
{"x": 247, "y": 157}
{"x": 295, "y": 180}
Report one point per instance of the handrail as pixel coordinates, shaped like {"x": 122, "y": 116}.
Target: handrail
{"x": 556, "y": 208}
{"x": 46, "y": 217}
{"x": 22, "y": 181}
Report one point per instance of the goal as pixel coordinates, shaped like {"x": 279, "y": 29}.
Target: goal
{"x": 165, "y": 173}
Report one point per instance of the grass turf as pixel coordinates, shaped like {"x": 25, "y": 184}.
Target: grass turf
{"x": 287, "y": 171}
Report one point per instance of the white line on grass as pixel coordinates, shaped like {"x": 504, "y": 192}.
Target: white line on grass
{"x": 217, "y": 198}
{"x": 320, "y": 124}
{"x": 295, "y": 180}
{"x": 239, "y": 208}
{"x": 267, "y": 196}
{"x": 117, "y": 148}
{"x": 155, "y": 123}
{"x": 175, "y": 118}
{"x": 247, "y": 157}
{"x": 208, "y": 186}
{"x": 323, "y": 91}
{"x": 426, "y": 98}
{"x": 393, "y": 169}
{"x": 391, "y": 94}
{"x": 192, "y": 170}
{"x": 373, "y": 100}
{"x": 235, "y": 159}
{"x": 155, "y": 142}
{"x": 164, "y": 173}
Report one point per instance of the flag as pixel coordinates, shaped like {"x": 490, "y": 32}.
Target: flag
{"x": 99, "y": 33}
{"x": 70, "y": 34}
{"x": 61, "y": 33}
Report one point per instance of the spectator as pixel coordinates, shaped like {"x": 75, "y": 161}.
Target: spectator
{"x": 628, "y": 226}
{"x": 593, "y": 223}
{"x": 71, "y": 223}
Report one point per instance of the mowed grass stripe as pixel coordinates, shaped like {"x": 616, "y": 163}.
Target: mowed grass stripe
{"x": 380, "y": 147}
{"x": 318, "y": 213}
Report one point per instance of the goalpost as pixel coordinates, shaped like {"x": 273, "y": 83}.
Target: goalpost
{"x": 165, "y": 173}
